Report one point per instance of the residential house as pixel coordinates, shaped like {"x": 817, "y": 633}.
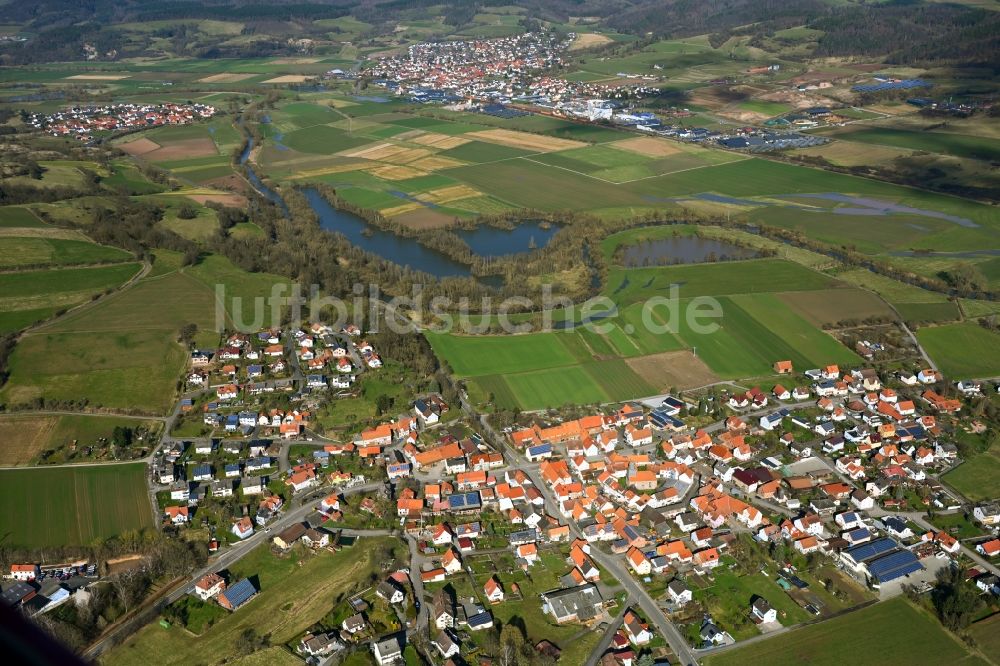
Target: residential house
{"x": 209, "y": 586}
{"x": 388, "y": 651}
{"x": 494, "y": 590}
{"x": 762, "y": 610}
{"x": 679, "y": 592}
{"x": 243, "y": 528}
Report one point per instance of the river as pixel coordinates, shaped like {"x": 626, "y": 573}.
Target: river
{"x": 484, "y": 241}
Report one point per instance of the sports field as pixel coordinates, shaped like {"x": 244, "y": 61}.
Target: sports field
{"x": 905, "y": 635}
{"x": 73, "y": 506}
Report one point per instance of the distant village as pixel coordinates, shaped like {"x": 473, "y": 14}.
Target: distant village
{"x": 83, "y": 122}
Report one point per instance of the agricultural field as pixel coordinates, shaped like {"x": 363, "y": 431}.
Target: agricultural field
{"x": 962, "y": 351}
{"x": 734, "y": 277}
{"x": 906, "y": 635}
{"x": 76, "y": 505}
{"x": 959, "y": 145}
{"x": 34, "y": 295}
{"x": 827, "y": 307}
{"x": 122, "y": 353}
{"x": 987, "y": 634}
{"x": 295, "y": 593}
{"x": 484, "y": 355}
{"x": 242, "y": 290}
{"x": 979, "y": 477}
{"x": 39, "y": 251}
{"x": 645, "y": 348}
{"x": 128, "y": 370}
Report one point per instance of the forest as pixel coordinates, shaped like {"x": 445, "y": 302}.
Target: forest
{"x": 903, "y": 31}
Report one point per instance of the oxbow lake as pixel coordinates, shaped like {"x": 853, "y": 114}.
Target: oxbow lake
{"x": 682, "y": 250}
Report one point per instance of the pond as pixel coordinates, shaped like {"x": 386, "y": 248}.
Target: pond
{"x": 493, "y": 242}
{"x": 682, "y": 250}
{"x": 397, "y": 249}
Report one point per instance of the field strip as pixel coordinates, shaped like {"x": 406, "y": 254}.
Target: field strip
{"x": 625, "y": 182}
{"x": 579, "y": 173}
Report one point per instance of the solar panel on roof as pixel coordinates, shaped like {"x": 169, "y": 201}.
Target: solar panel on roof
{"x": 894, "y": 565}
{"x": 871, "y": 550}
{"x": 240, "y": 593}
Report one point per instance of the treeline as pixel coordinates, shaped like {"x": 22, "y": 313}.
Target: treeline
{"x": 132, "y": 225}
{"x": 162, "y": 557}
{"x": 683, "y": 18}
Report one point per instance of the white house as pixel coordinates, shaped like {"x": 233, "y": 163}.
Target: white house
{"x": 763, "y": 611}
{"x": 209, "y": 586}
{"x": 679, "y": 593}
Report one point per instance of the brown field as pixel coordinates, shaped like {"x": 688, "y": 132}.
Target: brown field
{"x": 433, "y": 163}
{"x": 448, "y": 194}
{"x": 587, "y": 40}
{"x": 224, "y": 198}
{"x": 183, "y": 149}
{"x": 410, "y": 135}
{"x": 425, "y": 218}
{"x": 650, "y": 146}
{"x": 322, "y": 171}
{"x": 388, "y": 152}
{"x": 828, "y": 306}
{"x": 441, "y": 141}
{"x": 680, "y": 369}
{"x": 98, "y": 77}
{"x": 401, "y": 210}
{"x": 42, "y": 232}
{"x": 140, "y": 146}
{"x": 232, "y": 182}
{"x": 288, "y": 78}
{"x": 295, "y": 61}
{"x": 394, "y": 172}
{"x": 892, "y": 109}
{"x": 24, "y": 437}
{"x": 524, "y": 140}
{"x": 853, "y": 153}
{"x": 226, "y": 77}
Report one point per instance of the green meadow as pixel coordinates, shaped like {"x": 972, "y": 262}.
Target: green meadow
{"x": 905, "y": 635}
{"x": 962, "y": 351}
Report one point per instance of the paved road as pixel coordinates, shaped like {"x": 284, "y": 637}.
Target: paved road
{"x": 615, "y": 565}
{"x": 416, "y": 560}
{"x": 606, "y": 638}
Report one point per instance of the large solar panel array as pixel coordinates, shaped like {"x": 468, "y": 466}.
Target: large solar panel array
{"x": 871, "y": 550}
{"x": 894, "y": 565}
